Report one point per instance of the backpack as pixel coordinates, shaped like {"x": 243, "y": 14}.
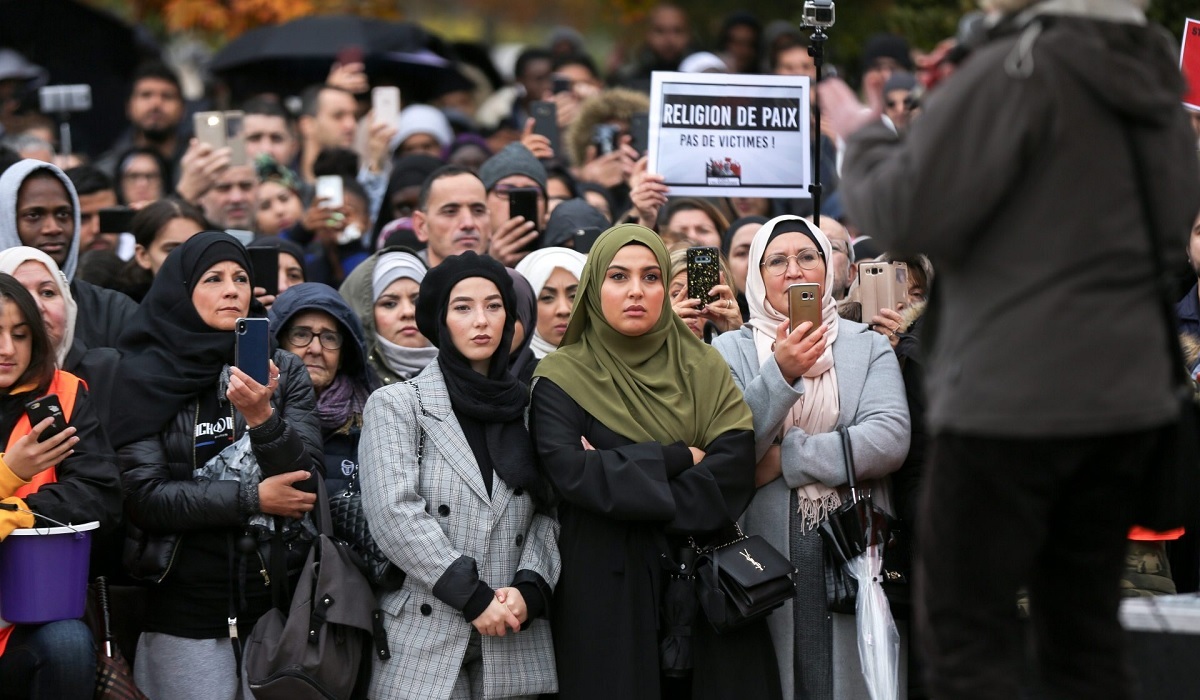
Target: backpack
{"x": 321, "y": 647}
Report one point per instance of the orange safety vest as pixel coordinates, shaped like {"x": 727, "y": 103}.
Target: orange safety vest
{"x": 66, "y": 386}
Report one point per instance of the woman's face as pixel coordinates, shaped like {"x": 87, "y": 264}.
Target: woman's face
{"x": 278, "y": 208}
{"x": 751, "y": 206}
{"x": 34, "y": 276}
{"x": 291, "y": 271}
{"x": 555, "y": 301}
{"x": 141, "y": 179}
{"x": 16, "y": 344}
{"x": 678, "y": 290}
{"x": 791, "y": 244}
{"x": 556, "y": 193}
{"x": 739, "y": 253}
{"x": 322, "y": 331}
{"x": 174, "y": 234}
{"x": 693, "y": 226}
{"x": 222, "y": 295}
{"x": 396, "y": 314}
{"x": 631, "y": 296}
{"x": 475, "y": 319}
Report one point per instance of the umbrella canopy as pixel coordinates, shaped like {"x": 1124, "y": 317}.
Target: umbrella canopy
{"x": 77, "y": 44}
{"x": 285, "y": 58}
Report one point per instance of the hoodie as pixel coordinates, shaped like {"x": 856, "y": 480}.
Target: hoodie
{"x": 10, "y": 185}
{"x": 1019, "y": 183}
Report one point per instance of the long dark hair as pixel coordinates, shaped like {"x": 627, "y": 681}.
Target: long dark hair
{"x": 42, "y": 358}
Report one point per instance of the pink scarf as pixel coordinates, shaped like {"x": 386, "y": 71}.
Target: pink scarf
{"x": 817, "y": 411}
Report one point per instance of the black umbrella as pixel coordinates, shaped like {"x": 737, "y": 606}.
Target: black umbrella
{"x": 285, "y": 58}
{"x": 79, "y": 44}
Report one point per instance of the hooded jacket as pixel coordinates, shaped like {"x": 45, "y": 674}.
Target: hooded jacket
{"x": 341, "y": 444}
{"x": 616, "y": 104}
{"x": 1019, "y": 183}
{"x": 102, "y": 312}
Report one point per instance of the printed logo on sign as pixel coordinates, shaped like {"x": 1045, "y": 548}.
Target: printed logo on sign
{"x": 726, "y": 173}
{"x": 348, "y": 467}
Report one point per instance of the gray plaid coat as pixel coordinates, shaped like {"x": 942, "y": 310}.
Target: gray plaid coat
{"x": 427, "y": 515}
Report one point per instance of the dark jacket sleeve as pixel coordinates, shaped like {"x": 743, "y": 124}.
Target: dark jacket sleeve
{"x": 103, "y": 314}
{"x": 712, "y": 493}
{"x": 291, "y": 439}
{"x": 159, "y": 504}
{"x": 88, "y": 483}
{"x": 626, "y": 483}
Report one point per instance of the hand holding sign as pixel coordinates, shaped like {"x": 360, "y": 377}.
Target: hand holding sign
{"x": 648, "y": 194}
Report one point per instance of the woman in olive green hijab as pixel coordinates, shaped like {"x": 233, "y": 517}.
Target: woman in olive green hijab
{"x": 647, "y": 441}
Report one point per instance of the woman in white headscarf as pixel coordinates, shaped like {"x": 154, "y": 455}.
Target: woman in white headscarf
{"x": 554, "y": 275}
{"x": 800, "y": 387}
{"x": 383, "y": 292}
{"x": 38, "y": 273}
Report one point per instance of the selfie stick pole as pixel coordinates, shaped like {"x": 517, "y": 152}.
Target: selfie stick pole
{"x": 64, "y": 133}
{"x": 816, "y": 49}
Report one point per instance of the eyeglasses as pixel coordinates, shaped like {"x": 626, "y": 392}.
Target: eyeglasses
{"x": 302, "y": 337}
{"x": 778, "y": 264}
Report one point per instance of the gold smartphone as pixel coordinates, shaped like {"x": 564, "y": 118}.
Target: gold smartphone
{"x": 804, "y": 304}
{"x": 882, "y": 285}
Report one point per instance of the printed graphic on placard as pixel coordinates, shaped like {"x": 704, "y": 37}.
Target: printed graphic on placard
{"x": 1189, "y": 63}
{"x": 730, "y": 135}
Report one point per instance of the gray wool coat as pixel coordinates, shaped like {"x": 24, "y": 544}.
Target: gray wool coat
{"x": 874, "y": 409}
{"x": 425, "y": 515}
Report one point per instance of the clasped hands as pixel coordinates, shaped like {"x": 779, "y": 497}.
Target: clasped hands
{"x": 507, "y": 610}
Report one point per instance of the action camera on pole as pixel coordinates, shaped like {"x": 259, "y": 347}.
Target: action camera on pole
{"x": 818, "y": 13}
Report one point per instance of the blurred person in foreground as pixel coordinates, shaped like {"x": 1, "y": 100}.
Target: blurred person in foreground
{"x": 1045, "y": 408}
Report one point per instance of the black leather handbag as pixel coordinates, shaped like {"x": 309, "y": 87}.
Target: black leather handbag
{"x": 742, "y": 581}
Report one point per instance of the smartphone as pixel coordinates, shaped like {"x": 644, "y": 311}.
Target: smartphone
{"x": 39, "y": 410}
{"x": 639, "y": 132}
{"x": 116, "y": 220}
{"x": 703, "y": 271}
{"x": 545, "y": 122}
{"x": 65, "y": 98}
{"x": 265, "y": 274}
{"x": 329, "y": 189}
{"x": 210, "y": 128}
{"x": 605, "y": 138}
{"x": 804, "y": 304}
{"x": 584, "y": 239}
{"x": 385, "y": 104}
{"x": 235, "y": 137}
{"x": 252, "y": 350}
{"x": 881, "y": 285}
{"x": 560, "y": 84}
{"x": 523, "y": 201}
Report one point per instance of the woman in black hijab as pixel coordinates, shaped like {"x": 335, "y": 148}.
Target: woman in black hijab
{"x": 208, "y": 455}
{"x": 454, "y": 438}
{"x": 521, "y": 362}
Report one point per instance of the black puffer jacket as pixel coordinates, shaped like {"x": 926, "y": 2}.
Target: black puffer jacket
{"x": 162, "y": 501}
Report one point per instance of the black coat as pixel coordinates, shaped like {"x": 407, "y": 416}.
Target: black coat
{"x": 163, "y": 501}
{"x": 102, "y": 314}
{"x": 622, "y": 507}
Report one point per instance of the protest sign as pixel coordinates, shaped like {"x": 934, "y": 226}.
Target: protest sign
{"x": 721, "y": 135}
{"x": 1189, "y": 63}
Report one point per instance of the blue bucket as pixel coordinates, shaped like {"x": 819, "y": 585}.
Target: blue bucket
{"x": 44, "y": 573}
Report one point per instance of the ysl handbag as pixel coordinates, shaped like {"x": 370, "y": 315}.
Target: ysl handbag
{"x": 742, "y": 581}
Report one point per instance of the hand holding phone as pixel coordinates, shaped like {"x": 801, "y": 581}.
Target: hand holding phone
{"x": 385, "y": 104}
{"x": 329, "y": 191}
{"x": 523, "y": 202}
{"x": 39, "y": 410}
{"x": 804, "y": 304}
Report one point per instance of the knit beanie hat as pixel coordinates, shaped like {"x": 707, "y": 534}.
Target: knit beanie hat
{"x": 513, "y": 159}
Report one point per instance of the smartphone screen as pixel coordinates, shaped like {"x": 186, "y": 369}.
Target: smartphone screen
{"x": 116, "y": 219}
{"x": 235, "y": 137}
{"x": 329, "y": 191}
{"x": 252, "y": 349}
{"x": 210, "y": 128}
{"x": 703, "y": 271}
{"x": 39, "y": 410}
{"x": 639, "y": 132}
{"x": 265, "y": 262}
{"x": 804, "y": 304}
{"x": 545, "y": 122}
{"x": 523, "y": 201}
{"x": 584, "y": 239}
{"x": 385, "y": 104}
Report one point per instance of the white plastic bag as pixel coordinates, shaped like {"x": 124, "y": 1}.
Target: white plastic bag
{"x": 878, "y": 638}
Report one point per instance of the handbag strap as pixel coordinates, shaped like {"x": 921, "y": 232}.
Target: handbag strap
{"x": 1162, "y": 281}
{"x": 851, "y": 470}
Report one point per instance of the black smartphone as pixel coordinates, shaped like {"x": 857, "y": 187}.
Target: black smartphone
{"x": 252, "y": 350}
{"x": 523, "y": 201}
{"x": 584, "y": 239}
{"x": 703, "y": 271}
{"x": 639, "y": 132}
{"x": 116, "y": 219}
{"x": 39, "y": 410}
{"x": 545, "y": 122}
{"x": 265, "y": 274}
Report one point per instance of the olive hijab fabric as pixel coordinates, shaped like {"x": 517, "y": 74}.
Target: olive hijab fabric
{"x": 662, "y": 386}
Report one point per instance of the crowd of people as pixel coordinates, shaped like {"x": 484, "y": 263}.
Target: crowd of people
{"x": 546, "y": 424}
